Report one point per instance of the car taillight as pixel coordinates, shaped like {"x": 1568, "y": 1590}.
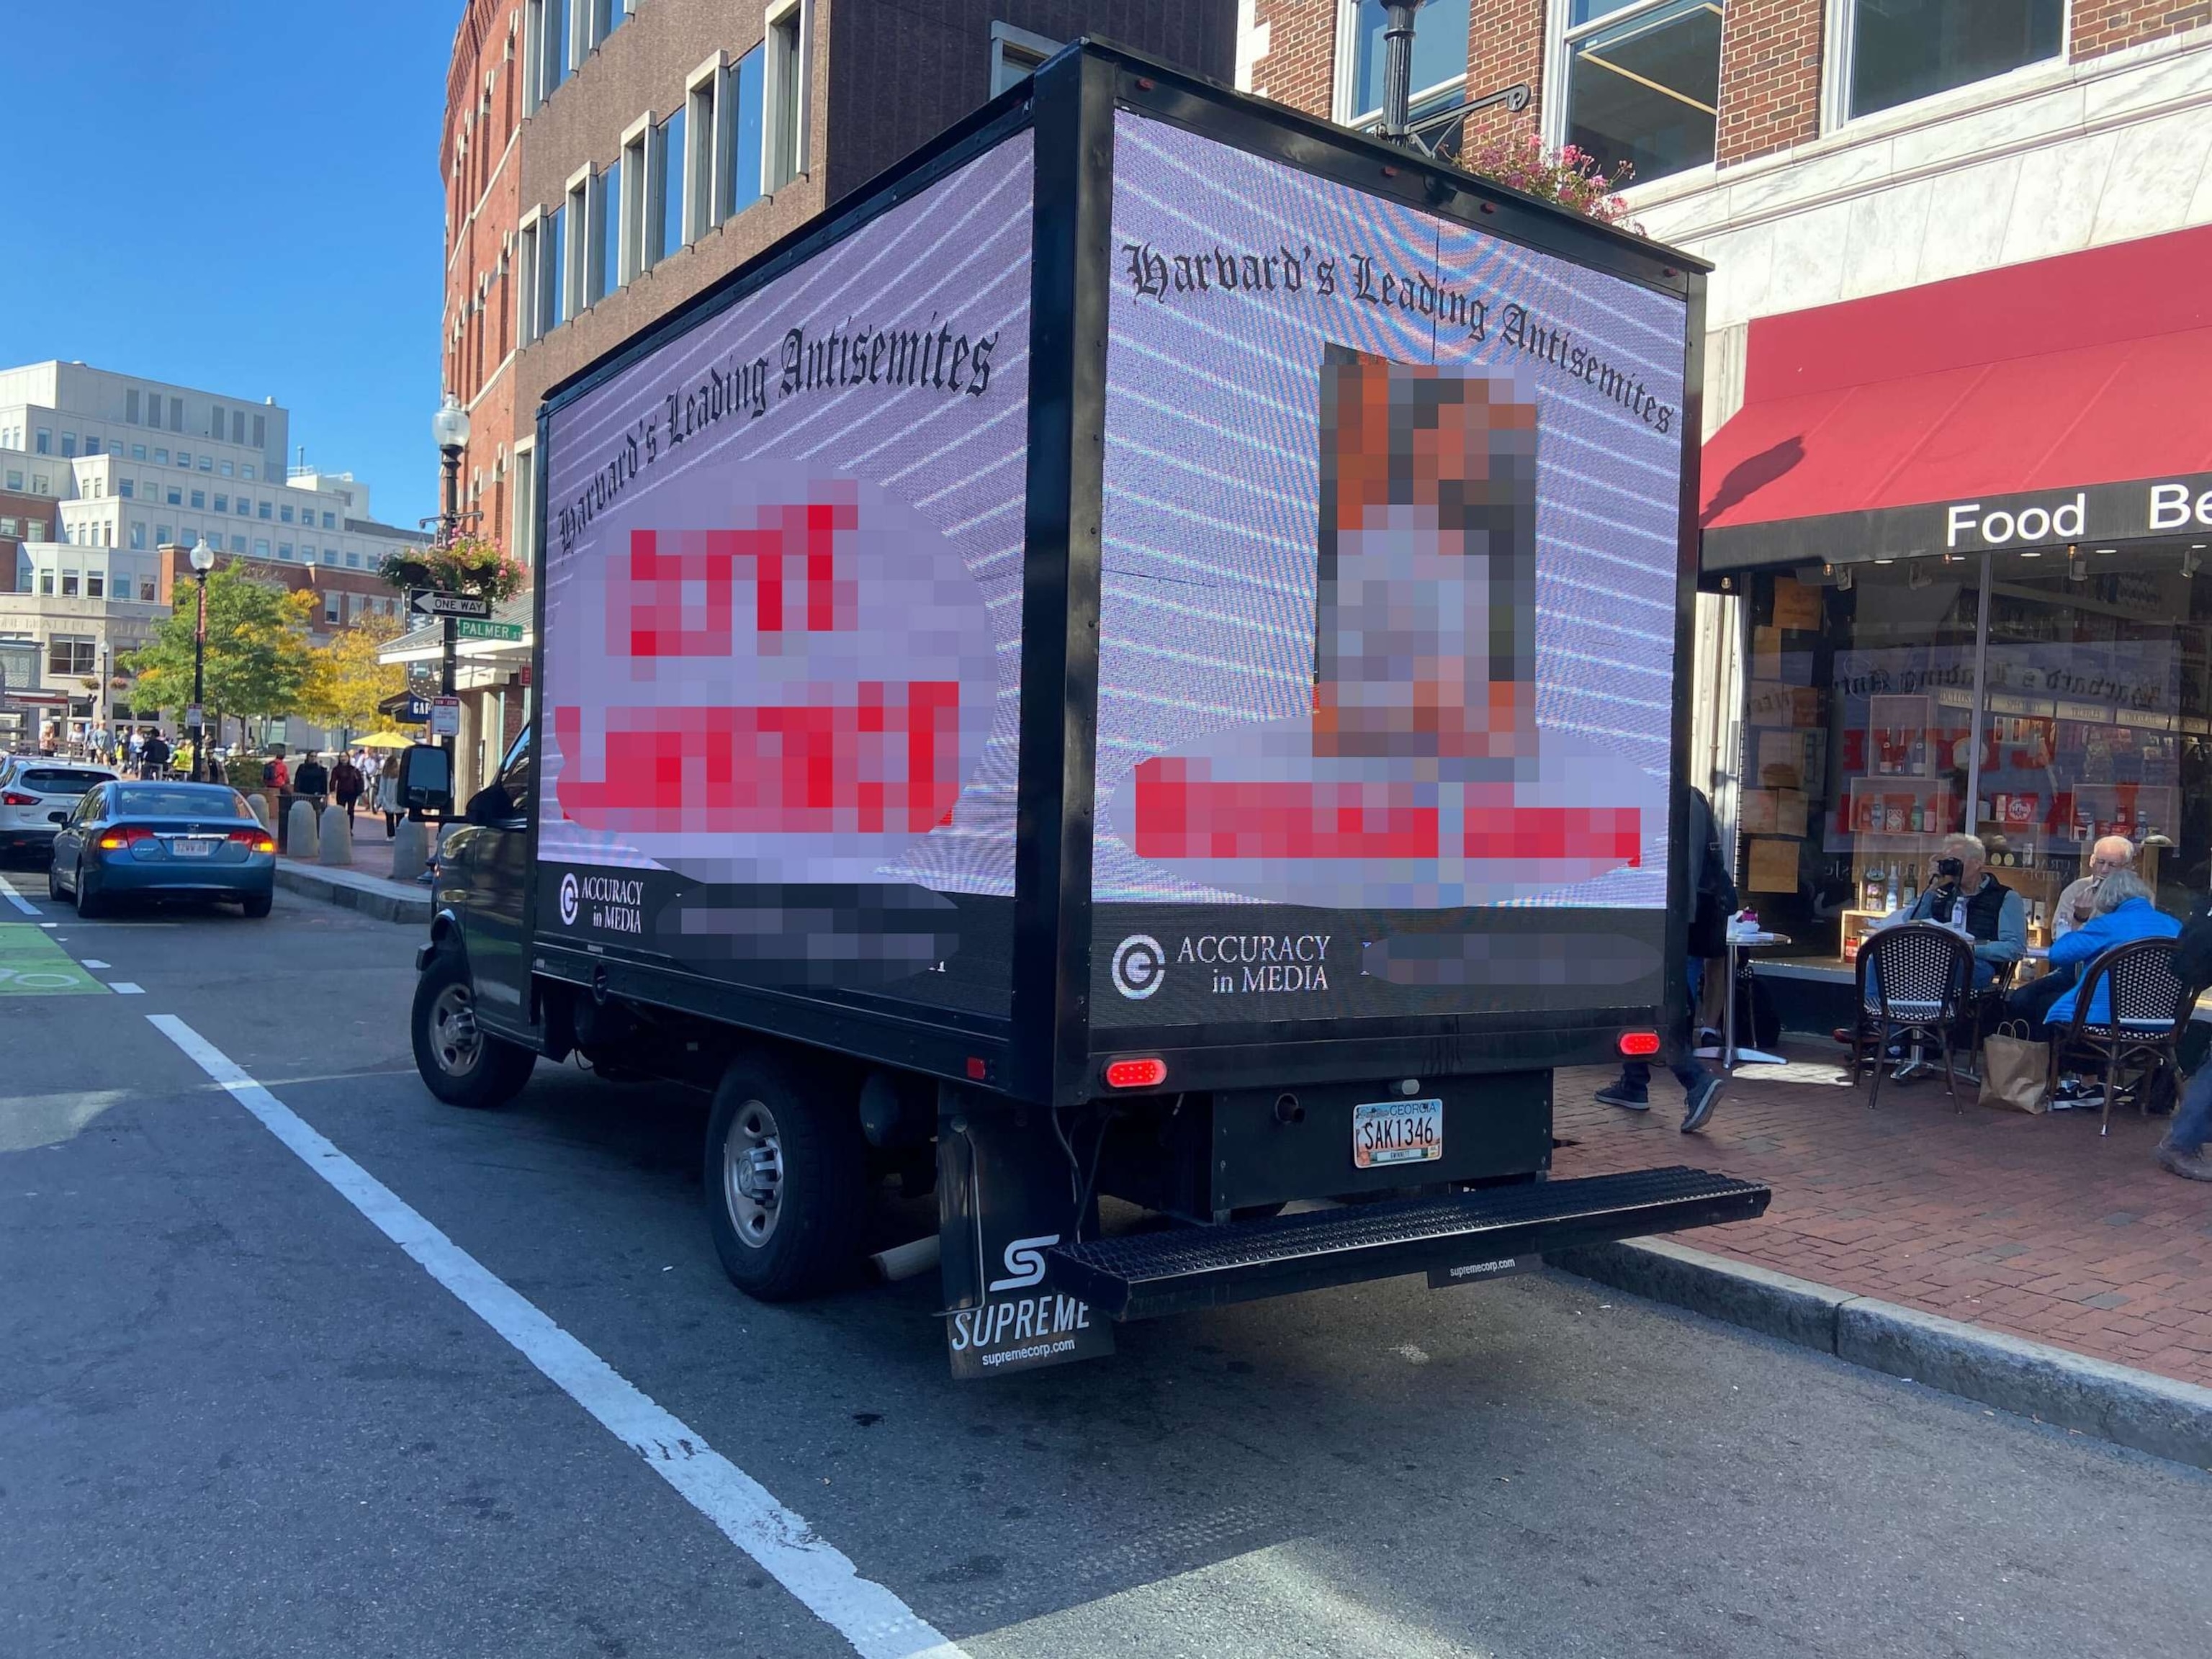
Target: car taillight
{"x": 255, "y": 840}
{"x": 1136, "y": 1074}
{"x": 1639, "y": 1045}
{"x": 13, "y": 798}
{"x": 116, "y": 840}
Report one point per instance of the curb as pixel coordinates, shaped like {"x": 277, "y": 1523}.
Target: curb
{"x": 385, "y": 901}
{"x": 2129, "y": 1407}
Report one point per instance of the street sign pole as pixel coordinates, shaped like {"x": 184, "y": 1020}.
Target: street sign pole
{"x": 447, "y": 674}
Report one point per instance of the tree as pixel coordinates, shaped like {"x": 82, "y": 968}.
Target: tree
{"x": 349, "y": 682}
{"x": 259, "y": 660}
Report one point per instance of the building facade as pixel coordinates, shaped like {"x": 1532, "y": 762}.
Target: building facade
{"x": 115, "y": 468}
{"x": 1957, "y": 492}
{"x": 604, "y": 161}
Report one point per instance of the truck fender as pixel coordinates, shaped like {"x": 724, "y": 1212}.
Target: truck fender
{"x": 445, "y": 935}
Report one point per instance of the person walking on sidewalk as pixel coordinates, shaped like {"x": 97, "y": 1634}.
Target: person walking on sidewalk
{"x": 312, "y": 780}
{"x": 387, "y": 792}
{"x": 346, "y": 786}
{"x": 154, "y": 758}
{"x": 2182, "y": 1152}
{"x": 1710, "y": 889}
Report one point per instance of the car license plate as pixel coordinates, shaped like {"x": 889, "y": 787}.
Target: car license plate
{"x": 1397, "y": 1131}
{"x": 192, "y": 846}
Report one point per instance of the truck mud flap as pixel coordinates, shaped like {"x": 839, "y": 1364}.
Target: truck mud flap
{"x": 1463, "y": 1237}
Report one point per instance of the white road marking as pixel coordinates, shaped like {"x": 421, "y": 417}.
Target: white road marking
{"x": 125, "y": 988}
{"x": 91, "y": 961}
{"x": 16, "y": 899}
{"x": 875, "y": 1621}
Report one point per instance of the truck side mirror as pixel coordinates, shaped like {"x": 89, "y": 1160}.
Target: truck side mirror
{"x": 426, "y": 780}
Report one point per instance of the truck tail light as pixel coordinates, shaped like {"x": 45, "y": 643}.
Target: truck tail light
{"x": 1639, "y": 1045}
{"x": 1136, "y": 1074}
{"x": 114, "y": 840}
{"x": 255, "y": 840}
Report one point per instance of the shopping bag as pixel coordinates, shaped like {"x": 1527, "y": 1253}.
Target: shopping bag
{"x": 2015, "y": 1071}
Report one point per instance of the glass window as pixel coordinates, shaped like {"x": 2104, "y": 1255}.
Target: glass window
{"x": 146, "y": 588}
{"x": 260, "y": 548}
{"x": 330, "y": 521}
{"x": 125, "y": 488}
{"x": 553, "y": 55}
{"x": 199, "y": 499}
{"x": 353, "y": 561}
{"x": 1440, "y": 33}
{"x": 173, "y": 494}
{"x": 162, "y": 456}
{"x": 15, "y": 480}
{"x": 260, "y": 433}
{"x": 247, "y": 471}
{"x": 222, "y": 503}
{"x": 1857, "y": 739}
{"x": 130, "y": 405}
{"x": 91, "y": 443}
{"x": 283, "y": 549}
{"x": 606, "y": 232}
{"x": 69, "y": 443}
{"x": 68, "y": 584}
{"x": 46, "y": 583}
{"x": 1901, "y": 50}
{"x": 244, "y": 506}
{"x": 137, "y": 451}
{"x": 263, "y": 509}
{"x": 786, "y": 144}
{"x": 226, "y": 469}
{"x": 667, "y": 234}
{"x": 284, "y": 514}
{"x": 1642, "y": 86}
{"x": 741, "y": 180}
{"x": 551, "y": 250}
{"x": 162, "y": 537}
{"x": 185, "y": 458}
{"x": 238, "y": 544}
{"x": 207, "y": 464}
{"x": 95, "y": 585}
{"x": 138, "y": 538}
{"x": 45, "y": 440}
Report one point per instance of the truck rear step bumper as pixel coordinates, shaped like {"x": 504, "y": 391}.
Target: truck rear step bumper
{"x": 1139, "y": 1275}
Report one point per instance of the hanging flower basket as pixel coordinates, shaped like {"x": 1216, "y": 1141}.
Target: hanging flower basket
{"x": 468, "y": 564}
{"x": 1573, "y": 177}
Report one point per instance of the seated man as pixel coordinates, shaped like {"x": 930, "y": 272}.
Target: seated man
{"x": 2076, "y": 905}
{"x": 1969, "y": 898}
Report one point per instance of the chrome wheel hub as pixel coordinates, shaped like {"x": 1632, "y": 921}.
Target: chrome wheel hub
{"x": 455, "y": 1041}
{"x": 752, "y": 1173}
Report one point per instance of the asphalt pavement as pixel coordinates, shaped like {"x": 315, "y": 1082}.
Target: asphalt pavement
{"x": 236, "y": 1417}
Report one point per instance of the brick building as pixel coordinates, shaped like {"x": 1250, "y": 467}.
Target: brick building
{"x": 1957, "y": 482}
{"x": 604, "y": 160}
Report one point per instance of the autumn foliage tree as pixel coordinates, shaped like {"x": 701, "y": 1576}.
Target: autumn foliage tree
{"x": 349, "y": 682}
{"x": 259, "y": 662}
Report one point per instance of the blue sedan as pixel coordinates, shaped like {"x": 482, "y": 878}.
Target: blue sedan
{"x": 163, "y": 840}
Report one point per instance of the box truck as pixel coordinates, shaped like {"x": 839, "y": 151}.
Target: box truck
{"x": 1138, "y": 658}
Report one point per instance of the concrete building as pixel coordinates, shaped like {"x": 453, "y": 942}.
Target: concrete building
{"x": 603, "y": 161}
{"x": 120, "y": 467}
{"x": 1957, "y": 478}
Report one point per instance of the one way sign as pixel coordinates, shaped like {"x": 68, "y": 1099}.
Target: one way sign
{"x": 428, "y": 602}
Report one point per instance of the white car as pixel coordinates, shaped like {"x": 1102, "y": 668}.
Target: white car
{"x": 37, "y": 793}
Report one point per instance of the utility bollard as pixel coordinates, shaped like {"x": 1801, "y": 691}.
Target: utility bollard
{"x": 410, "y": 848}
{"x": 299, "y": 830}
{"x": 336, "y": 836}
{"x": 259, "y": 805}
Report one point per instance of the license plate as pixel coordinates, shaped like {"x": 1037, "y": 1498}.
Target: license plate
{"x": 192, "y": 846}
{"x": 1397, "y": 1131}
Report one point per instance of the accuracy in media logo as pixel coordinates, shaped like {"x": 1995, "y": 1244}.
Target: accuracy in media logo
{"x": 1139, "y": 966}
{"x": 568, "y": 901}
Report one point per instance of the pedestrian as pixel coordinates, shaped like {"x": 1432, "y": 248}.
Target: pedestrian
{"x": 346, "y": 786}
{"x": 215, "y": 770}
{"x": 275, "y": 774}
{"x": 154, "y": 758}
{"x": 387, "y": 792}
{"x": 1709, "y": 888}
{"x": 313, "y": 780}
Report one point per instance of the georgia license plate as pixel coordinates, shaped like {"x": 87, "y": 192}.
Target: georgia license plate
{"x": 192, "y": 846}
{"x": 1397, "y": 1131}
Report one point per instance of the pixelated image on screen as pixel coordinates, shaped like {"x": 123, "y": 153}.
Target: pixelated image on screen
{"x": 783, "y": 568}
{"x": 1389, "y": 605}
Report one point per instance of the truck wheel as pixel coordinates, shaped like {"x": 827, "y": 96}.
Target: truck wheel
{"x": 786, "y": 1180}
{"x": 461, "y": 1063}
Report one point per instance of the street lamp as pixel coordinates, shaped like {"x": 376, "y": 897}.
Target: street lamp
{"x": 203, "y": 562}
{"x": 449, "y": 429}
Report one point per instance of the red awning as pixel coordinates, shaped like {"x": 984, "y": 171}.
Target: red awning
{"x": 2090, "y": 368}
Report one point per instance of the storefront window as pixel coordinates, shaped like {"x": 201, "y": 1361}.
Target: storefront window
{"x": 1856, "y": 736}
{"x": 2095, "y": 722}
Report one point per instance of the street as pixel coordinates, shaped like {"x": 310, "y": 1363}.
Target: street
{"x": 236, "y": 1417}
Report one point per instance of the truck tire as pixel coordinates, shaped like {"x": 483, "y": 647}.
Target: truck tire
{"x": 460, "y": 1062}
{"x": 786, "y": 1177}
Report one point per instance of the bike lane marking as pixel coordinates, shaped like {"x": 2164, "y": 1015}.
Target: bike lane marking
{"x": 8, "y": 888}
{"x": 876, "y": 1622}
{"x": 33, "y": 965}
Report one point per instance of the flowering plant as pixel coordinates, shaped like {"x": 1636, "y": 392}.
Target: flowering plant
{"x": 466, "y": 564}
{"x": 1573, "y": 178}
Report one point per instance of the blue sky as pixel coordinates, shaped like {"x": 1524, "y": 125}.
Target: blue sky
{"x": 242, "y": 195}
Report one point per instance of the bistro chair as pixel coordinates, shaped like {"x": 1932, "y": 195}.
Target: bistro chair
{"x": 2149, "y": 1010}
{"x": 1914, "y": 984}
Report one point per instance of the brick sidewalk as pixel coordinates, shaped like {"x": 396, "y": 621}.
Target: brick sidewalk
{"x": 2031, "y": 1225}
